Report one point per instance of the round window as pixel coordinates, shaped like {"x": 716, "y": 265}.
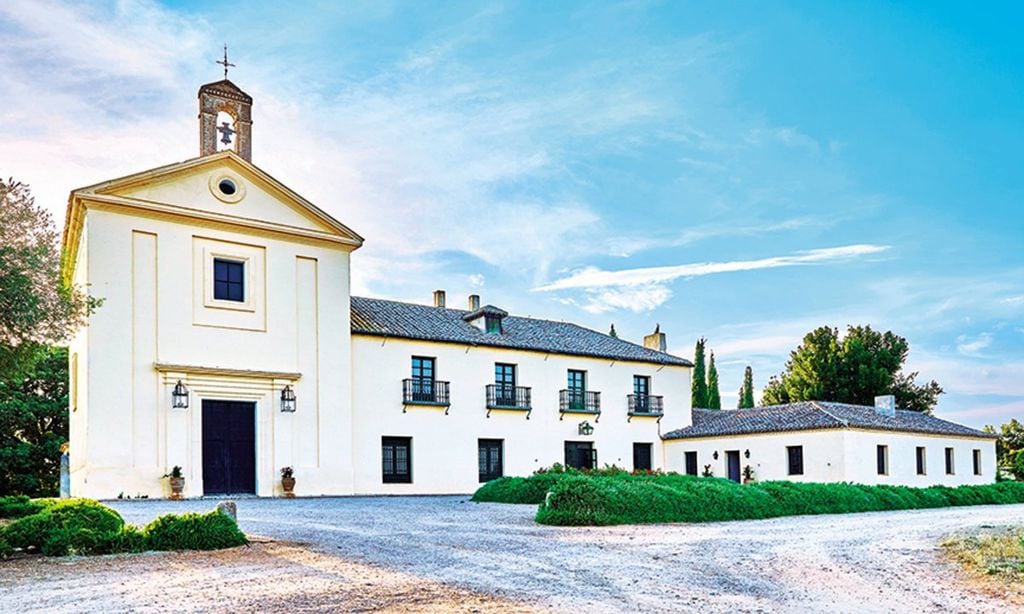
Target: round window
{"x": 227, "y": 187}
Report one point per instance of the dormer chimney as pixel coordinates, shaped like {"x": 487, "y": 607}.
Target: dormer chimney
{"x": 656, "y": 340}
{"x": 474, "y": 302}
{"x": 439, "y": 298}
{"x": 886, "y": 405}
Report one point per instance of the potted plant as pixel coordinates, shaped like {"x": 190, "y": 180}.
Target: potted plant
{"x": 288, "y": 481}
{"x": 177, "y": 480}
{"x": 748, "y": 474}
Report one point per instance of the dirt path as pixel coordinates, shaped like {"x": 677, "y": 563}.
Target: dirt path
{"x": 264, "y": 577}
{"x": 445, "y": 553}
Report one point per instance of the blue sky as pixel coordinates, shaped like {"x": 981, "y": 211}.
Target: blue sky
{"x": 744, "y": 171}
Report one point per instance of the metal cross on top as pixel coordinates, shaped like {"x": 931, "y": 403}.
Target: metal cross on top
{"x": 225, "y": 62}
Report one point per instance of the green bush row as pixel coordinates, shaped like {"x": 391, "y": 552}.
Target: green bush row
{"x": 83, "y": 527}
{"x": 623, "y": 499}
{"x": 534, "y": 488}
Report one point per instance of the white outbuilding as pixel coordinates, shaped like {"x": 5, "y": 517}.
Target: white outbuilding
{"x": 816, "y": 441}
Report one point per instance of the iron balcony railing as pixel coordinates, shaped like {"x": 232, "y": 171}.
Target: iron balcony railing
{"x": 645, "y": 404}
{"x": 425, "y": 392}
{"x": 575, "y": 399}
{"x": 501, "y": 396}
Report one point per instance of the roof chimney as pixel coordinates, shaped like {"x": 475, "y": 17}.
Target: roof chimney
{"x": 656, "y": 340}
{"x": 474, "y": 302}
{"x": 439, "y": 298}
{"x": 886, "y": 405}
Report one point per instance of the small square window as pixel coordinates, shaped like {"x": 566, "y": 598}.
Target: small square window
{"x": 228, "y": 280}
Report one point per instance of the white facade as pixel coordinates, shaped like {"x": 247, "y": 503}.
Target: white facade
{"x": 444, "y": 438}
{"x": 842, "y": 455}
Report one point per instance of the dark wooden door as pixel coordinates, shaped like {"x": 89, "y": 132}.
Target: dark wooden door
{"x": 580, "y": 454}
{"x": 229, "y": 447}
{"x": 733, "y": 460}
{"x": 641, "y": 457}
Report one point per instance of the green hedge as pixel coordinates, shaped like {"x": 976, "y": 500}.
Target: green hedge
{"x": 17, "y": 506}
{"x": 83, "y": 527}
{"x": 191, "y": 531}
{"x": 578, "y": 499}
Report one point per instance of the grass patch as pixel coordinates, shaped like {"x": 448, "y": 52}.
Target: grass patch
{"x": 62, "y": 527}
{"x": 613, "y": 496}
{"x": 997, "y": 554}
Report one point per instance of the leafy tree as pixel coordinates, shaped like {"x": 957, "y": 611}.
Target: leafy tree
{"x": 714, "y": 395}
{"x": 1009, "y": 445}
{"x": 850, "y": 369}
{"x": 699, "y": 386}
{"x": 34, "y": 425}
{"x": 747, "y": 390}
{"x": 36, "y": 308}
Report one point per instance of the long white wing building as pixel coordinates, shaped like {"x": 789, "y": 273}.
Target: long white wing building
{"x": 229, "y": 344}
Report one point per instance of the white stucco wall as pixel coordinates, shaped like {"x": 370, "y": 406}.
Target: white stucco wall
{"x": 125, "y": 435}
{"x": 841, "y": 455}
{"x": 444, "y": 447}
{"x": 822, "y": 450}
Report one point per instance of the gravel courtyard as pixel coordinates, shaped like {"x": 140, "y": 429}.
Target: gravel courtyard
{"x": 493, "y": 556}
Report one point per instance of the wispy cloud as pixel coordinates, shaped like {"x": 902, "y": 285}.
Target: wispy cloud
{"x": 971, "y": 346}
{"x": 593, "y": 277}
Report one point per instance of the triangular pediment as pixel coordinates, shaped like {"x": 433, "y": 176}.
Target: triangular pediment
{"x": 224, "y": 186}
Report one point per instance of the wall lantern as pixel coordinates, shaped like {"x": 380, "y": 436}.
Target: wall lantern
{"x": 746, "y": 453}
{"x": 287, "y": 399}
{"x": 179, "y": 396}
{"x": 586, "y": 429}
{"x": 715, "y": 455}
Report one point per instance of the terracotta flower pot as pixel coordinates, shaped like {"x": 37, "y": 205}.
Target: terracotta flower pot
{"x": 177, "y": 485}
{"x": 289, "y": 487}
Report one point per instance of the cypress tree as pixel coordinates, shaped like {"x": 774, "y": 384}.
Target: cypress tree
{"x": 699, "y": 386}
{"x": 747, "y": 390}
{"x": 714, "y": 396}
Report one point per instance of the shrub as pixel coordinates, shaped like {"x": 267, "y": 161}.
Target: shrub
{"x": 17, "y": 506}
{"x": 627, "y": 499}
{"x": 69, "y": 526}
{"x": 192, "y": 531}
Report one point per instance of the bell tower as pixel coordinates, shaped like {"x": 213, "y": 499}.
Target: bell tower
{"x": 225, "y": 116}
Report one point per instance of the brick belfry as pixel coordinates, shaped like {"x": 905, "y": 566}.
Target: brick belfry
{"x": 224, "y": 96}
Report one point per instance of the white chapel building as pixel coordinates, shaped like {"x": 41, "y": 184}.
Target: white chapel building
{"x": 228, "y": 344}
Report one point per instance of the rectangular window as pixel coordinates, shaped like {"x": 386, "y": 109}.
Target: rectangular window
{"x": 922, "y": 465}
{"x": 883, "y": 460}
{"x": 949, "y": 462}
{"x": 795, "y": 456}
{"x": 505, "y": 384}
{"x": 492, "y": 325}
{"x": 580, "y": 454}
{"x": 396, "y": 454}
{"x": 641, "y": 393}
{"x": 490, "y": 459}
{"x": 577, "y": 387}
{"x": 423, "y": 370}
{"x": 691, "y": 463}
{"x": 228, "y": 280}
{"x": 977, "y": 462}
{"x": 642, "y": 457}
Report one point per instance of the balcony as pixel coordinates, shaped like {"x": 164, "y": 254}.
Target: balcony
{"x": 575, "y": 401}
{"x": 425, "y": 392}
{"x": 503, "y": 397}
{"x": 645, "y": 405}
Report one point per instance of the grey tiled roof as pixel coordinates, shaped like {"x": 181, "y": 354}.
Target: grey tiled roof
{"x": 809, "y": 415}
{"x": 372, "y": 316}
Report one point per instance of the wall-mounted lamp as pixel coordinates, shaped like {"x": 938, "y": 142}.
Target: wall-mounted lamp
{"x": 586, "y": 429}
{"x": 746, "y": 453}
{"x": 715, "y": 455}
{"x": 179, "y": 396}
{"x": 287, "y": 399}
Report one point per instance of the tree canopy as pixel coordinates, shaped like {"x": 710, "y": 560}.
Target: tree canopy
{"x": 854, "y": 368}
{"x": 34, "y": 425}
{"x": 36, "y": 309}
{"x": 699, "y": 385}
{"x": 747, "y": 390}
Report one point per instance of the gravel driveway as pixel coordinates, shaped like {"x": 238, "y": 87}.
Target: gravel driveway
{"x": 877, "y": 562}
